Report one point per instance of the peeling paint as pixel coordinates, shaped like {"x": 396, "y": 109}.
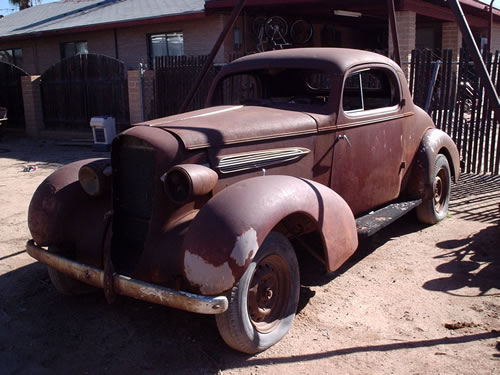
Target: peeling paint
{"x": 246, "y": 244}
{"x": 145, "y": 291}
{"x": 209, "y": 278}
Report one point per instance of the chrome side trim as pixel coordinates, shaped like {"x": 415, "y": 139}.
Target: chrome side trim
{"x": 259, "y": 159}
{"x": 130, "y": 287}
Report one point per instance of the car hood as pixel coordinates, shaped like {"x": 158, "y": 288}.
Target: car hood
{"x": 221, "y": 125}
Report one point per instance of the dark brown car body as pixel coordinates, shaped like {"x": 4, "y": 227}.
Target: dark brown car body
{"x": 303, "y": 167}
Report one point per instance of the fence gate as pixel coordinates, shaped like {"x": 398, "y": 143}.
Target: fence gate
{"x": 174, "y": 76}
{"x": 455, "y": 98}
{"x": 82, "y": 86}
{"x": 11, "y": 95}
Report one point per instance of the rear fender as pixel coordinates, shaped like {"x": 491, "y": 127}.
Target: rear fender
{"x": 224, "y": 237}
{"x": 434, "y": 142}
{"x": 61, "y": 214}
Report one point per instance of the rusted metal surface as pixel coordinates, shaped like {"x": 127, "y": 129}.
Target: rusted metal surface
{"x": 246, "y": 212}
{"x": 224, "y": 125}
{"x": 199, "y": 181}
{"x": 60, "y": 212}
{"x": 434, "y": 142}
{"x": 129, "y": 287}
{"x": 237, "y": 173}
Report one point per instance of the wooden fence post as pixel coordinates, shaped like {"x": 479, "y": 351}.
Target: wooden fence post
{"x": 33, "y": 112}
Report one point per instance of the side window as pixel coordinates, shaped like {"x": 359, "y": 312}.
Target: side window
{"x": 74, "y": 48}
{"x": 165, "y": 44}
{"x": 370, "y": 89}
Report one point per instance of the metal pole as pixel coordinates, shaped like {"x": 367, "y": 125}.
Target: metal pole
{"x": 435, "y": 72}
{"x": 489, "y": 87}
{"x": 210, "y": 58}
{"x": 394, "y": 30}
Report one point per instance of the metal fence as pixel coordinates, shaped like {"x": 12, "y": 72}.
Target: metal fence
{"x": 174, "y": 76}
{"x": 82, "y": 86}
{"x": 454, "y": 95}
{"x": 11, "y": 96}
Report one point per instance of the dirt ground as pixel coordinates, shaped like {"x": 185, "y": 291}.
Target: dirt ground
{"x": 412, "y": 300}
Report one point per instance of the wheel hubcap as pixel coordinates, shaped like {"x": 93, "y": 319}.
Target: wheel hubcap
{"x": 440, "y": 190}
{"x": 268, "y": 293}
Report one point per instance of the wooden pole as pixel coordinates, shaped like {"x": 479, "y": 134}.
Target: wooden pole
{"x": 394, "y": 30}
{"x": 228, "y": 26}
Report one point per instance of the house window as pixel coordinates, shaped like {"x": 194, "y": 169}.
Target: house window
{"x": 12, "y": 56}
{"x": 370, "y": 89}
{"x": 166, "y": 44}
{"x": 74, "y": 48}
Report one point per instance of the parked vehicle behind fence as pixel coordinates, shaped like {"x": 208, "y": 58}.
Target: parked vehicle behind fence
{"x": 297, "y": 150}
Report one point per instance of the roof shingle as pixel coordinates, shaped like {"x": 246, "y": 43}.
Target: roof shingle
{"x": 69, "y": 14}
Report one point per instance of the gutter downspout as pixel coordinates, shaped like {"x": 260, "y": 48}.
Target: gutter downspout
{"x": 489, "y": 87}
{"x": 228, "y": 26}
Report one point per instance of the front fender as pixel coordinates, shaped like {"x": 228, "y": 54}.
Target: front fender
{"x": 434, "y": 142}
{"x": 224, "y": 237}
{"x": 61, "y": 214}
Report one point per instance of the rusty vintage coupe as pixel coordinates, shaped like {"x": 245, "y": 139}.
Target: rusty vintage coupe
{"x": 204, "y": 211}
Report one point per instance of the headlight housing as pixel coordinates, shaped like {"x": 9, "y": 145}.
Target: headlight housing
{"x": 185, "y": 182}
{"x": 95, "y": 177}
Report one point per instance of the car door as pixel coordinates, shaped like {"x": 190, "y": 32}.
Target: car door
{"x": 368, "y": 148}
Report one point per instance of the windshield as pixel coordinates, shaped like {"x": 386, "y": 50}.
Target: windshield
{"x": 271, "y": 87}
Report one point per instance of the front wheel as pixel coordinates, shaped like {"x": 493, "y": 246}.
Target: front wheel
{"x": 262, "y": 305}
{"x": 65, "y": 284}
{"x": 435, "y": 209}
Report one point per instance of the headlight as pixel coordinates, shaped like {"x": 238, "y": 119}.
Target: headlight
{"x": 95, "y": 177}
{"x": 185, "y": 182}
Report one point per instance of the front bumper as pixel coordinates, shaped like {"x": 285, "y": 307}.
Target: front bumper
{"x": 130, "y": 287}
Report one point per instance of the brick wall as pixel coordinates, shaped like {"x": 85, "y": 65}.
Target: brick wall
{"x": 495, "y": 38}
{"x": 451, "y": 38}
{"x": 406, "y": 26}
{"x": 33, "y": 114}
{"x": 199, "y": 36}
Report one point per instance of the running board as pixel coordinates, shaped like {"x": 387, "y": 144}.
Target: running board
{"x": 371, "y": 223}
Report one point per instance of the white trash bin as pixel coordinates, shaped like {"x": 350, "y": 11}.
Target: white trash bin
{"x": 104, "y": 130}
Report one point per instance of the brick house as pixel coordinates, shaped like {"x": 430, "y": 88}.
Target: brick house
{"x": 135, "y": 31}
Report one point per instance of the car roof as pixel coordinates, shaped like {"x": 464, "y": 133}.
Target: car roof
{"x": 334, "y": 60}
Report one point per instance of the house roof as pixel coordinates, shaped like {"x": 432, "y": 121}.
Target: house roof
{"x": 93, "y": 15}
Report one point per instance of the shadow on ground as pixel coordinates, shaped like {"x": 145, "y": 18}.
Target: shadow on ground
{"x": 476, "y": 198}
{"x": 472, "y": 262}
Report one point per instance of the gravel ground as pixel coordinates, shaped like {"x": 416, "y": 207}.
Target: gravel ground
{"x": 413, "y": 299}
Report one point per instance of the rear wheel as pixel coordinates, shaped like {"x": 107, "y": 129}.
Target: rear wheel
{"x": 262, "y": 305}
{"x": 435, "y": 209}
{"x": 65, "y": 284}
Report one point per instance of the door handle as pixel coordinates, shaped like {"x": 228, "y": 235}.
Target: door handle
{"x": 343, "y": 137}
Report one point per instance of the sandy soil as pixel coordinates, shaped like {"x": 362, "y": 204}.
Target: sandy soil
{"x": 412, "y": 300}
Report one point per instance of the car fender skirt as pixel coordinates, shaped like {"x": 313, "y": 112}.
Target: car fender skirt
{"x": 224, "y": 237}
{"x": 434, "y": 142}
